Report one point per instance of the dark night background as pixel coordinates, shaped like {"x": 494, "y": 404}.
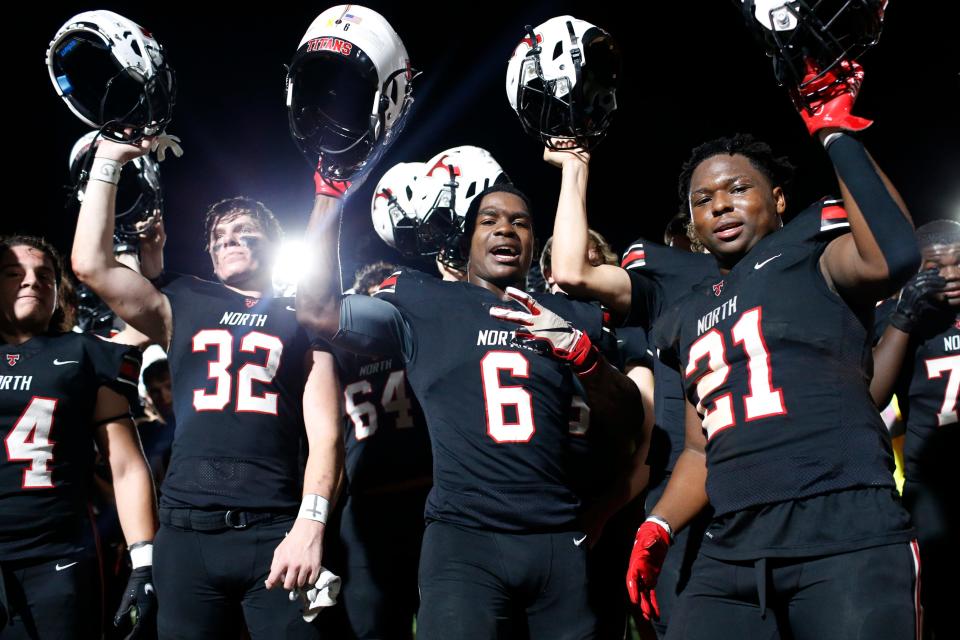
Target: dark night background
{"x": 691, "y": 72}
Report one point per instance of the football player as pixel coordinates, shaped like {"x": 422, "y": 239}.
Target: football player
{"x": 61, "y": 395}
{"x": 651, "y": 279}
{"x": 799, "y": 464}
{"x": 918, "y": 358}
{"x": 238, "y": 513}
{"x": 388, "y": 471}
{"x": 503, "y": 540}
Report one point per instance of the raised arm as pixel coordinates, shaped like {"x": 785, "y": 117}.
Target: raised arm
{"x": 319, "y": 290}
{"x": 571, "y": 240}
{"x": 880, "y": 253}
{"x": 129, "y": 294}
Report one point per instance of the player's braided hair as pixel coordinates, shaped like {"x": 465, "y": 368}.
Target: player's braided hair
{"x": 230, "y": 208}
{"x": 65, "y": 313}
{"x": 778, "y": 169}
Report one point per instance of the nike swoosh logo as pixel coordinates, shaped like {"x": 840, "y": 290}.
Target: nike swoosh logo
{"x": 580, "y": 541}
{"x": 60, "y": 362}
{"x": 291, "y": 309}
{"x": 760, "y": 265}
{"x": 66, "y": 566}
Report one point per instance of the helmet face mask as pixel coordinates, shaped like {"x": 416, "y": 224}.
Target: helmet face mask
{"x": 113, "y": 75}
{"x": 562, "y": 82}
{"x": 807, "y": 39}
{"x": 348, "y": 90}
{"x": 393, "y": 208}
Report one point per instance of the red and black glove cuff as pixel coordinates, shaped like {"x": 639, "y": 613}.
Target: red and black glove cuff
{"x": 584, "y": 358}
{"x": 331, "y": 188}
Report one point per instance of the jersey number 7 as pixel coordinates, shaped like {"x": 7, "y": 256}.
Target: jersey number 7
{"x": 936, "y": 367}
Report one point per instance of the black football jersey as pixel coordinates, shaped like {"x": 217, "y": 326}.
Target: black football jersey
{"x": 778, "y": 367}
{"x": 498, "y": 415}
{"x": 660, "y": 276}
{"x": 48, "y": 393}
{"x": 927, "y": 388}
{"x": 237, "y": 367}
{"x": 384, "y": 431}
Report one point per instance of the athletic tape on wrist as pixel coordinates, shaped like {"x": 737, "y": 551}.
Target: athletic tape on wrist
{"x": 105, "y": 170}
{"x": 314, "y": 507}
{"x": 141, "y": 554}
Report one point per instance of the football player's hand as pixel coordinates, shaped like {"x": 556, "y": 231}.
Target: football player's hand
{"x": 826, "y": 103}
{"x": 123, "y": 152}
{"x": 138, "y": 608}
{"x": 646, "y": 560}
{"x": 566, "y": 151}
{"x": 545, "y": 332}
{"x": 152, "y": 240}
{"x": 916, "y": 297}
{"x": 296, "y": 560}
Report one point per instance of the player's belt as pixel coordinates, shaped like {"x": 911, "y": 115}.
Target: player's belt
{"x": 198, "y": 520}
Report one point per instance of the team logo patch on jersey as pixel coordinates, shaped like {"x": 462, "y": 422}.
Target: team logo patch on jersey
{"x": 635, "y": 256}
{"x": 718, "y": 288}
{"x": 13, "y": 358}
{"x": 250, "y": 302}
{"x": 833, "y": 215}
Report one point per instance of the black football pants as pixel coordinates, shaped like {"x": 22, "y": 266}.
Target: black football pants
{"x": 483, "y": 585}
{"x": 57, "y": 599}
{"x": 210, "y": 582}
{"x": 869, "y": 594}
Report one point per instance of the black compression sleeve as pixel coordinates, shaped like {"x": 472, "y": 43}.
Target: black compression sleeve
{"x": 892, "y": 230}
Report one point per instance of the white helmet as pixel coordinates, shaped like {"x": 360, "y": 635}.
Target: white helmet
{"x": 112, "y": 74}
{"x": 348, "y": 90}
{"x": 453, "y": 178}
{"x": 562, "y": 81}
{"x": 139, "y": 195}
{"x": 393, "y": 207}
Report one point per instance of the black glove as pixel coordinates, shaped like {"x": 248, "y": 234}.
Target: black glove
{"x": 916, "y": 297}
{"x": 138, "y": 608}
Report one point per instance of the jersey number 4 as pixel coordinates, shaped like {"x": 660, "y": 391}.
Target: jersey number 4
{"x": 219, "y": 370}
{"x": 364, "y": 414}
{"x": 950, "y": 365}
{"x": 29, "y": 440}
{"x": 762, "y": 401}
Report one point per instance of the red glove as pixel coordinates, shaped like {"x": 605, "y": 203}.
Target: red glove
{"x": 646, "y": 560}
{"x": 332, "y": 188}
{"x": 827, "y": 102}
{"x": 545, "y": 332}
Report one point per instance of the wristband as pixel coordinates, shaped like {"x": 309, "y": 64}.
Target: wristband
{"x": 831, "y": 138}
{"x": 141, "y": 554}
{"x": 105, "y": 170}
{"x": 314, "y": 508}
{"x": 662, "y": 523}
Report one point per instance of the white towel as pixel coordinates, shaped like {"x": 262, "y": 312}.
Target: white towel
{"x": 321, "y": 595}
